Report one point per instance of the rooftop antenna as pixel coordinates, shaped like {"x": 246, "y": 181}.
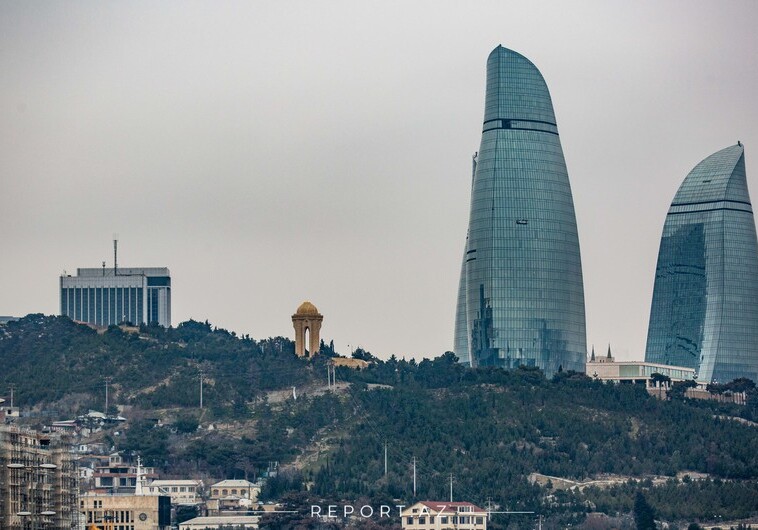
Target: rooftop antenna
{"x": 115, "y": 254}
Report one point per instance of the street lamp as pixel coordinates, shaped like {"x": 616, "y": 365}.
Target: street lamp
{"x": 30, "y": 519}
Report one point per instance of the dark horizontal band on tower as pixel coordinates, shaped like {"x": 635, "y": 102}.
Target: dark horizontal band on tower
{"x": 519, "y": 125}
{"x": 723, "y": 208}
{"x": 520, "y": 119}
{"x": 708, "y": 202}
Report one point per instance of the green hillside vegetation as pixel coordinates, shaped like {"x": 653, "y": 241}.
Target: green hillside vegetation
{"x": 488, "y": 428}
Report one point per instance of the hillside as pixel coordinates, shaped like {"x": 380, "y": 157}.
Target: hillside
{"x": 489, "y": 429}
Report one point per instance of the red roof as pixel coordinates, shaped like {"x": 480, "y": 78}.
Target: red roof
{"x": 451, "y": 507}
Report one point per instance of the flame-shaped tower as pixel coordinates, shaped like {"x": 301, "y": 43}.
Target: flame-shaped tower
{"x": 704, "y": 313}
{"x": 520, "y": 297}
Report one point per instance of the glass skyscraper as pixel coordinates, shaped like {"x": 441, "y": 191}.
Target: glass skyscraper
{"x": 520, "y": 296}
{"x": 704, "y": 313}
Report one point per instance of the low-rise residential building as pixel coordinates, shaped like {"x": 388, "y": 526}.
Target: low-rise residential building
{"x": 237, "y": 487}
{"x": 119, "y": 476}
{"x": 237, "y": 522}
{"x": 8, "y": 413}
{"x": 180, "y": 491}
{"x": 232, "y": 495}
{"x": 440, "y": 515}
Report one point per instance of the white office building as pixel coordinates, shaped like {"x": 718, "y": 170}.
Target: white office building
{"x": 104, "y": 297}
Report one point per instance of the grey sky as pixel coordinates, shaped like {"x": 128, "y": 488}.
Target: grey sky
{"x": 271, "y": 152}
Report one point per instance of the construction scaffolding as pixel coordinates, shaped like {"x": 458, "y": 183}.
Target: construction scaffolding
{"x": 38, "y": 481}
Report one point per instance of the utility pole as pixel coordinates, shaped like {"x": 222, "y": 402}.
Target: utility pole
{"x": 13, "y": 387}
{"x": 451, "y": 487}
{"x": 385, "y": 459}
{"x": 107, "y": 381}
{"x": 201, "y": 389}
{"x": 414, "y": 476}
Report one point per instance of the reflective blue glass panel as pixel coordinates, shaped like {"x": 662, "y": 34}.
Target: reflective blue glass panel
{"x": 704, "y": 313}
{"x": 521, "y": 296}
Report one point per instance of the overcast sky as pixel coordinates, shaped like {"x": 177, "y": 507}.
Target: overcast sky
{"x": 273, "y": 152}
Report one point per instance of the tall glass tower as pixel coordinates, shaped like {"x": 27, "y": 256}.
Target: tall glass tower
{"x": 704, "y": 313}
{"x": 521, "y": 297}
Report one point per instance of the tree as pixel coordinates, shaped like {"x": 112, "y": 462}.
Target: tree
{"x": 362, "y": 354}
{"x": 679, "y": 388}
{"x": 661, "y": 379}
{"x": 186, "y": 423}
{"x": 741, "y": 384}
{"x": 644, "y": 516}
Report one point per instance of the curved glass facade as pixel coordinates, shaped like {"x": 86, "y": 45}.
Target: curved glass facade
{"x": 704, "y": 313}
{"x": 521, "y": 297}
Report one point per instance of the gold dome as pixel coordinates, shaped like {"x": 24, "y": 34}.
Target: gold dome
{"x": 307, "y": 308}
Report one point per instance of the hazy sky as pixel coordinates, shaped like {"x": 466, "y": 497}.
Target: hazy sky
{"x": 272, "y": 152}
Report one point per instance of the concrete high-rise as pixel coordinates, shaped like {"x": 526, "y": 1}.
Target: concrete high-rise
{"x": 38, "y": 481}
{"x": 704, "y": 313}
{"x": 521, "y": 296}
{"x": 105, "y": 297}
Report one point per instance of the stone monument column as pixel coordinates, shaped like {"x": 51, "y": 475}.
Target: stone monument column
{"x": 307, "y": 318}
